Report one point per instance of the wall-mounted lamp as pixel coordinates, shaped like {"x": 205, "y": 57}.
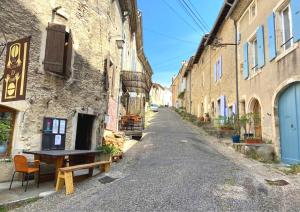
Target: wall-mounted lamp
{"x": 120, "y": 43}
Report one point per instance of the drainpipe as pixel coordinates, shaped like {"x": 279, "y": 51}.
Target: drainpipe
{"x": 236, "y": 73}
{"x": 120, "y": 80}
{"x": 190, "y": 91}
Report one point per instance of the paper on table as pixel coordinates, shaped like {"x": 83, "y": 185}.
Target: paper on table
{"x": 57, "y": 140}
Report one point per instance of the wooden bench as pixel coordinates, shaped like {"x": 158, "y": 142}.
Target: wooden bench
{"x": 65, "y": 174}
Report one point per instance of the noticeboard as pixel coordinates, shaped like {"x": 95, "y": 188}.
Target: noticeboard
{"x": 54, "y": 133}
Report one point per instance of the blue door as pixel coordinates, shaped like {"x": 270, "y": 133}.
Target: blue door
{"x": 289, "y": 119}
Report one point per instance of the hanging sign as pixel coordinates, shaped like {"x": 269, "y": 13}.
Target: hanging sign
{"x": 15, "y": 72}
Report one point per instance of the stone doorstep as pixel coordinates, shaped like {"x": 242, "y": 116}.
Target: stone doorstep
{"x": 265, "y": 151}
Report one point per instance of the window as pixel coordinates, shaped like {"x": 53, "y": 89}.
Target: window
{"x": 213, "y": 109}
{"x": 254, "y": 51}
{"x": 59, "y": 49}
{"x": 218, "y": 69}
{"x": 230, "y": 111}
{"x": 252, "y": 11}
{"x": 219, "y": 106}
{"x": 287, "y": 36}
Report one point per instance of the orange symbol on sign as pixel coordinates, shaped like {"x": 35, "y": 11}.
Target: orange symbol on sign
{"x": 14, "y": 60}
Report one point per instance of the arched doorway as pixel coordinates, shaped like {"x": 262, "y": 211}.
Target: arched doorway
{"x": 255, "y": 108}
{"x": 7, "y": 121}
{"x": 289, "y": 124}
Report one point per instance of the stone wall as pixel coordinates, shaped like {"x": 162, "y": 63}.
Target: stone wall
{"x": 93, "y": 25}
{"x": 268, "y": 82}
{"x": 205, "y": 90}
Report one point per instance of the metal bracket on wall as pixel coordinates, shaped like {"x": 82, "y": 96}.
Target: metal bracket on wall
{"x": 3, "y": 44}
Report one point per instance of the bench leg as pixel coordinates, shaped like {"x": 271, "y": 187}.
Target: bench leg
{"x": 69, "y": 183}
{"x": 105, "y": 167}
{"x": 60, "y": 181}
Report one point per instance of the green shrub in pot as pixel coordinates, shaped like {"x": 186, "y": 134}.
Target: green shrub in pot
{"x": 107, "y": 151}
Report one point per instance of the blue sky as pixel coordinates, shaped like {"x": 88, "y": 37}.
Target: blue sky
{"x": 170, "y": 35}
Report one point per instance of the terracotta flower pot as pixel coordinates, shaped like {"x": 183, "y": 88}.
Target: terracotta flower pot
{"x": 253, "y": 141}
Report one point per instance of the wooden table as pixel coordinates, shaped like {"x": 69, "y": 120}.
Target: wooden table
{"x": 58, "y": 157}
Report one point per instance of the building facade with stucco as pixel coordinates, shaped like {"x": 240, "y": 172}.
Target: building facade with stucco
{"x": 249, "y": 63}
{"x": 78, "y": 50}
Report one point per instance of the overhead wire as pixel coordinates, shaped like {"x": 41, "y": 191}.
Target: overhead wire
{"x": 201, "y": 19}
{"x": 182, "y": 5}
{"x": 190, "y": 8}
{"x": 173, "y": 58}
{"x": 168, "y": 36}
{"x": 181, "y": 17}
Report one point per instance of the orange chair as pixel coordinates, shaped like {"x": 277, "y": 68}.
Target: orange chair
{"x": 21, "y": 166}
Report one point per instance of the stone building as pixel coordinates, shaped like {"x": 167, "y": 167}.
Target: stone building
{"x": 179, "y": 87}
{"x": 213, "y": 86}
{"x": 160, "y": 95}
{"x": 137, "y": 71}
{"x": 187, "y": 76}
{"x": 249, "y": 63}
{"x": 269, "y": 70}
{"x": 76, "y": 56}
{"x": 175, "y": 91}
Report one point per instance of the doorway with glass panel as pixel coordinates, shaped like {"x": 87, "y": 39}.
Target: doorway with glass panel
{"x": 7, "y": 121}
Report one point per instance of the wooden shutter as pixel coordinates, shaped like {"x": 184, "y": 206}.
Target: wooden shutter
{"x": 69, "y": 52}
{"x": 106, "y": 75}
{"x": 260, "y": 46}
{"x": 55, "y": 44}
{"x": 272, "y": 37}
{"x": 295, "y": 7}
{"x": 113, "y": 69}
{"x": 246, "y": 62}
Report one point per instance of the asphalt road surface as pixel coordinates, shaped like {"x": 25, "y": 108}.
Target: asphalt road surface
{"x": 174, "y": 169}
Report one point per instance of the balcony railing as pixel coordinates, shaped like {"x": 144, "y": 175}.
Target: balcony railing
{"x": 136, "y": 81}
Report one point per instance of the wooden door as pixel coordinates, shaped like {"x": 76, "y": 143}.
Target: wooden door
{"x": 289, "y": 123}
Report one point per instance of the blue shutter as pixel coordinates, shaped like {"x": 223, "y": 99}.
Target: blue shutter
{"x": 272, "y": 37}
{"x": 260, "y": 46}
{"x": 226, "y": 111}
{"x": 234, "y": 109}
{"x": 222, "y": 105}
{"x": 295, "y": 7}
{"x": 215, "y": 72}
{"x": 220, "y": 67}
{"x": 246, "y": 62}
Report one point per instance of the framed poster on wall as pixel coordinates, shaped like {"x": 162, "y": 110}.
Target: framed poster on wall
{"x": 54, "y": 133}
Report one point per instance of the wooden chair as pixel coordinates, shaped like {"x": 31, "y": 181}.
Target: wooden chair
{"x": 21, "y": 166}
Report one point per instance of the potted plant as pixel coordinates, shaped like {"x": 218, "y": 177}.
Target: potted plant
{"x": 236, "y": 134}
{"x": 4, "y": 133}
{"x": 107, "y": 151}
{"x": 248, "y": 122}
{"x": 245, "y": 123}
{"x": 224, "y": 123}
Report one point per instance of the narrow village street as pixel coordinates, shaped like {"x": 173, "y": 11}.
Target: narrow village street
{"x": 174, "y": 169}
